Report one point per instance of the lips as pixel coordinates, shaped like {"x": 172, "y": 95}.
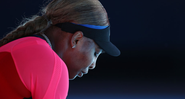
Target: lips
{"x": 84, "y": 72}
{"x": 80, "y": 74}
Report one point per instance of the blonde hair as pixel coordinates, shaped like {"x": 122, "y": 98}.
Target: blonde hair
{"x": 59, "y": 11}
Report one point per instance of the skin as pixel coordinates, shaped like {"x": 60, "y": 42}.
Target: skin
{"x": 78, "y": 52}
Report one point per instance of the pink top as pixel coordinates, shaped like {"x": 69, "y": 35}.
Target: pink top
{"x": 30, "y": 68}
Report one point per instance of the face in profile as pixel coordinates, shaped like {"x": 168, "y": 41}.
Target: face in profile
{"x": 82, "y": 58}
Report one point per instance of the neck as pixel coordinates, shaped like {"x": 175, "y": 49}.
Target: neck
{"x": 47, "y": 39}
{"x": 59, "y": 40}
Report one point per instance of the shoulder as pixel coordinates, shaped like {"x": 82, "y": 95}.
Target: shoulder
{"x": 36, "y": 52}
{"x": 33, "y": 50}
{"x": 34, "y": 58}
{"x": 29, "y": 42}
{"x": 23, "y": 43}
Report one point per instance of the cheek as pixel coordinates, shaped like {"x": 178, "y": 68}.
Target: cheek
{"x": 85, "y": 59}
{"x": 88, "y": 58}
{"x": 79, "y": 62}
{"x": 88, "y": 55}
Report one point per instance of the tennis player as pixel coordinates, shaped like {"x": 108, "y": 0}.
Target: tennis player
{"x": 38, "y": 58}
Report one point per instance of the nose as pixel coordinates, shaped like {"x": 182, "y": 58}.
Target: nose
{"x": 93, "y": 65}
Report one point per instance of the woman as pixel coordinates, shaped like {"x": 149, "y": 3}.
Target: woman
{"x": 40, "y": 56}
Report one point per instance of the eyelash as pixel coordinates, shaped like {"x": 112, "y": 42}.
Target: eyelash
{"x": 95, "y": 54}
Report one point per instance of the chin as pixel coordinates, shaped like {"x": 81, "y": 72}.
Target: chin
{"x": 72, "y": 78}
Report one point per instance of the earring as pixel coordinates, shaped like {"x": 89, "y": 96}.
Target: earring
{"x": 74, "y": 46}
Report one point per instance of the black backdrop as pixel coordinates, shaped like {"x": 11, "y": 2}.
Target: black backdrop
{"x": 150, "y": 35}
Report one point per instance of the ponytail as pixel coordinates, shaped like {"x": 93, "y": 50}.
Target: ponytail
{"x": 32, "y": 26}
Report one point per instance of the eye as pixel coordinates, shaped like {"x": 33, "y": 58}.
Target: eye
{"x": 95, "y": 54}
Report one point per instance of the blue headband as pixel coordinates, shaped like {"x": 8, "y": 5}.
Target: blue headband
{"x": 93, "y": 26}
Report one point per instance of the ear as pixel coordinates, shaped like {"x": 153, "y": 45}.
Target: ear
{"x": 76, "y": 38}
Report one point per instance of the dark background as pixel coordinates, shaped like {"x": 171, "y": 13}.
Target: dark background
{"x": 150, "y": 35}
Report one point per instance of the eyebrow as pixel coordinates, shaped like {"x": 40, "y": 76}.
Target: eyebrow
{"x": 102, "y": 51}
